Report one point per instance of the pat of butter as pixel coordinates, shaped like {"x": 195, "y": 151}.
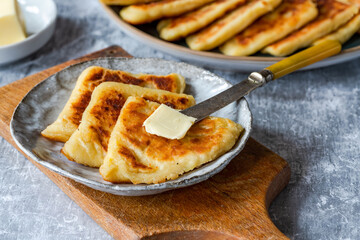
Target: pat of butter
{"x": 11, "y": 24}
{"x": 169, "y": 123}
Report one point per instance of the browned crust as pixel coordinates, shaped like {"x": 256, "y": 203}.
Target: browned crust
{"x": 328, "y": 9}
{"x": 132, "y": 137}
{"x": 99, "y": 75}
{"x": 162, "y": 148}
{"x": 130, "y": 157}
{"x": 124, "y": 3}
{"x": 197, "y": 14}
{"x": 176, "y": 103}
{"x": 80, "y": 106}
{"x": 263, "y": 24}
{"x": 146, "y": 6}
{"x": 212, "y": 29}
{"x": 106, "y": 112}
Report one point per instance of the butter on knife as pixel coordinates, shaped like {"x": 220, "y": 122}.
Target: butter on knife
{"x": 12, "y": 28}
{"x": 168, "y": 122}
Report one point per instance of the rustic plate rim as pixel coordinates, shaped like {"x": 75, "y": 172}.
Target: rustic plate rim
{"x": 134, "y": 189}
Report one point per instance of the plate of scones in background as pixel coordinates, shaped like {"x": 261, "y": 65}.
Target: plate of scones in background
{"x": 239, "y": 35}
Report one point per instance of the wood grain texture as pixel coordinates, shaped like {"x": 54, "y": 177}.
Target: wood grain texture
{"x": 231, "y": 205}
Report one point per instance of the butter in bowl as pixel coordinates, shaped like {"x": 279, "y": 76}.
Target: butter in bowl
{"x": 11, "y": 23}
{"x": 25, "y": 26}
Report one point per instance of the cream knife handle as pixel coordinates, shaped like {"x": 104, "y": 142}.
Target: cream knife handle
{"x": 304, "y": 58}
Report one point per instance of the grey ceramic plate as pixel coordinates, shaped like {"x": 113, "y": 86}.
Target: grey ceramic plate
{"x": 148, "y": 35}
{"x": 43, "y": 103}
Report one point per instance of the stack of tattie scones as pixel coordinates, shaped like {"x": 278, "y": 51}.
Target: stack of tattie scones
{"x": 102, "y": 126}
{"x": 245, "y": 27}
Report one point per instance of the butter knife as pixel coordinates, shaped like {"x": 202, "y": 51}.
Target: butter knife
{"x": 257, "y": 79}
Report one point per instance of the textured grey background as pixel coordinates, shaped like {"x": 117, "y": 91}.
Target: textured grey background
{"x": 309, "y": 118}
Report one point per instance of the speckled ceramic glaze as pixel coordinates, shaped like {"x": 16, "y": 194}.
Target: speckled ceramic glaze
{"x": 41, "y": 106}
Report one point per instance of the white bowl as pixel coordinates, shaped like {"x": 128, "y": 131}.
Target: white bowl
{"x": 40, "y": 17}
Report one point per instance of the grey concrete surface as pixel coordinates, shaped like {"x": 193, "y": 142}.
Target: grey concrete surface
{"x": 312, "y": 119}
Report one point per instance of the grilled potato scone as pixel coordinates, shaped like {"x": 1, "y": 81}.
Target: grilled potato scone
{"x": 89, "y": 143}
{"x": 126, "y": 2}
{"x": 356, "y": 2}
{"x": 139, "y": 157}
{"x": 175, "y": 28}
{"x": 332, "y": 14}
{"x": 288, "y": 17}
{"x": 70, "y": 117}
{"x": 145, "y": 13}
{"x": 344, "y": 33}
{"x": 230, "y": 25}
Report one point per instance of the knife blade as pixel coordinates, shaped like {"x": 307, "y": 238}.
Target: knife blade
{"x": 232, "y": 94}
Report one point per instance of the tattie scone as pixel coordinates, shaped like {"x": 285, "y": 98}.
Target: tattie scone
{"x": 89, "y": 143}
{"x": 145, "y": 13}
{"x": 206, "y": 25}
{"x": 230, "y": 25}
{"x": 332, "y": 14}
{"x": 175, "y": 28}
{"x": 139, "y": 157}
{"x": 344, "y": 33}
{"x": 70, "y": 117}
{"x": 288, "y": 17}
{"x": 126, "y": 2}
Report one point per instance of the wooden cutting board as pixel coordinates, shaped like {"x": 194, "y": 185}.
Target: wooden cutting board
{"x": 231, "y": 205}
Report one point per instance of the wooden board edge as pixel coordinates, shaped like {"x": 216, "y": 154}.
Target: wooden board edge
{"x": 67, "y": 186}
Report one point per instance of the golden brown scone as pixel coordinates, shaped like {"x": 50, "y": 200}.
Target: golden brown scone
{"x": 175, "y": 28}
{"x": 230, "y": 25}
{"x": 145, "y": 13}
{"x": 356, "y": 2}
{"x": 288, "y": 17}
{"x": 332, "y": 14}
{"x": 126, "y": 2}
{"x": 70, "y": 117}
{"x": 344, "y": 33}
{"x": 139, "y": 157}
{"x": 89, "y": 143}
